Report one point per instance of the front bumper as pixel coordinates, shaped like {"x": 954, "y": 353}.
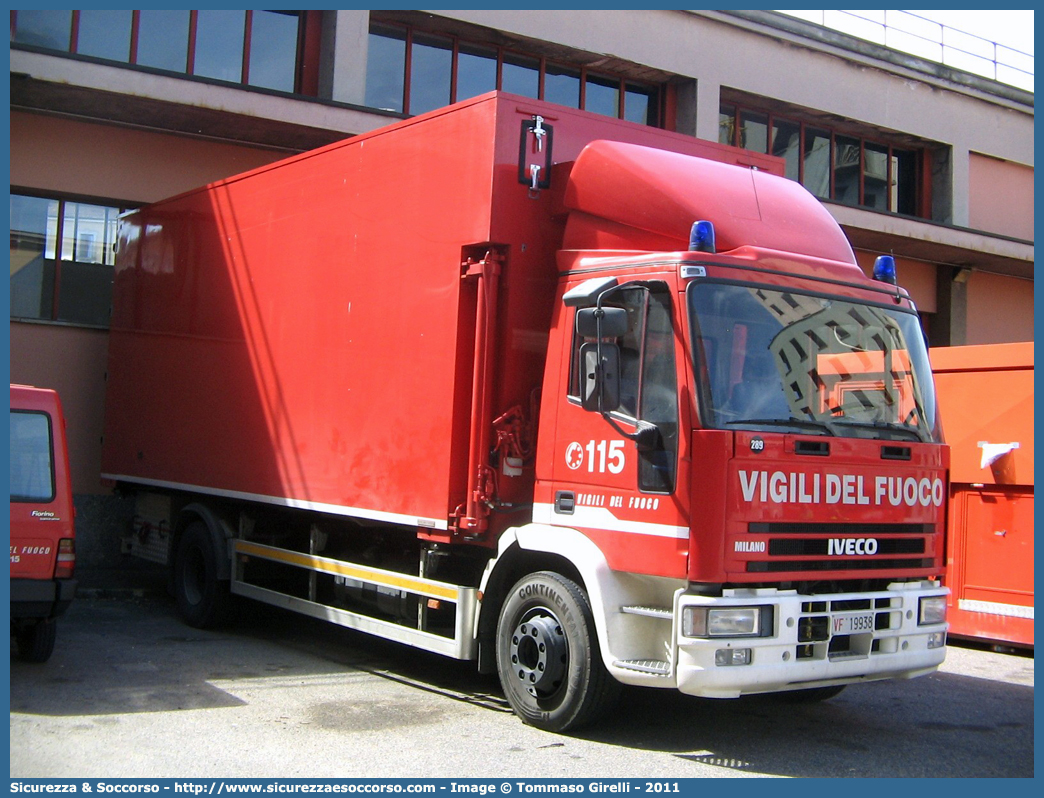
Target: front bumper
{"x": 41, "y": 598}
{"x": 801, "y": 651}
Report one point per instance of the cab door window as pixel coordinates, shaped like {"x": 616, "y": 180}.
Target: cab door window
{"x": 659, "y": 396}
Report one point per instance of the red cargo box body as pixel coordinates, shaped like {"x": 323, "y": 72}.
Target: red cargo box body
{"x": 986, "y": 401}
{"x": 302, "y": 335}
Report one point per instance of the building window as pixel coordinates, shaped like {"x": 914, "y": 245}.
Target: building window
{"x": 431, "y": 60}
{"x": 476, "y": 70}
{"x": 838, "y": 165}
{"x": 410, "y": 71}
{"x": 43, "y": 28}
{"x": 62, "y": 259}
{"x": 253, "y": 48}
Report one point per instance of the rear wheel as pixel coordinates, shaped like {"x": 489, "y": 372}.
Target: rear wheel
{"x": 203, "y": 601}
{"x": 547, "y": 655}
{"x": 36, "y": 643}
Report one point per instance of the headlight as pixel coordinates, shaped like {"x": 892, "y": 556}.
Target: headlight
{"x": 722, "y": 621}
{"x": 932, "y": 610}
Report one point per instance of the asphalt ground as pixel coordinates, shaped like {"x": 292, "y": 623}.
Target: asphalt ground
{"x": 131, "y": 692}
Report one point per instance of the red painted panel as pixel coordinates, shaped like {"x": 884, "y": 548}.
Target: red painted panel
{"x": 663, "y": 193}
{"x": 991, "y": 578}
{"x": 295, "y": 333}
{"x": 771, "y": 492}
{"x": 986, "y": 395}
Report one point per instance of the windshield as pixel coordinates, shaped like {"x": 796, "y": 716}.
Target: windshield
{"x": 776, "y": 359}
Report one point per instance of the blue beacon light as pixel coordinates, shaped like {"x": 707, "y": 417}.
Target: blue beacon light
{"x": 884, "y": 269}
{"x": 701, "y": 237}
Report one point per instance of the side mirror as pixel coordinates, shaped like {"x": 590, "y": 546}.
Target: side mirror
{"x": 601, "y": 322}
{"x": 600, "y": 382}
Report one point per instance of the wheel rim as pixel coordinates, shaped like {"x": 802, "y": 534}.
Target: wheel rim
{"x": 539, "y": 653}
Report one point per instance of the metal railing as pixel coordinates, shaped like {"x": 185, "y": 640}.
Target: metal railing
{"x": 912, "y": 33}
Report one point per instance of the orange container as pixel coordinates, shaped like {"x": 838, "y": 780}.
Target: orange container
{"x": 986, "y": 401}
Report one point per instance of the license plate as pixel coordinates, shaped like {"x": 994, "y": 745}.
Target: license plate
{"x": 852, "y": 624}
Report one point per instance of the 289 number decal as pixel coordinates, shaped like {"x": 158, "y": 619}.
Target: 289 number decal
{"x": 600, "y": 456}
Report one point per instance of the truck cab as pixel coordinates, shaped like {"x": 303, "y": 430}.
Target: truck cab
{"x": 42, "y": 521}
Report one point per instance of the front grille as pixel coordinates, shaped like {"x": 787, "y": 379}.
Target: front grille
{"x": 797, "y": 547}
{"x": 777, "y": 566}
{"x": 865, "y": 530}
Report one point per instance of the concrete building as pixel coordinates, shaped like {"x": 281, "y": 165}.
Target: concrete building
{"x": 113, "y": 109}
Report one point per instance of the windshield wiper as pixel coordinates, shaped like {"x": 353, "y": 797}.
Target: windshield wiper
{"x": 808, "y": 423}
{"x": 888, "y": 425}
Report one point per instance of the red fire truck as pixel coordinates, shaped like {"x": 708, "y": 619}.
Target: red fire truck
{"x": 588, "y": 402}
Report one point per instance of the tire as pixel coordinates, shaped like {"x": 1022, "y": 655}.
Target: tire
{"x": 810, "y": 696}
{"x": 548, "y": 659}
{"x": 36, "y": 644}
{"x": 202, "y": 600}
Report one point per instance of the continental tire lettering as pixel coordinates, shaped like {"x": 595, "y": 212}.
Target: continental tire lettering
{"x": 545, "y": 592}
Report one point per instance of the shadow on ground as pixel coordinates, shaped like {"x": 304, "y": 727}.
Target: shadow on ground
{"x": 131, "y": 654}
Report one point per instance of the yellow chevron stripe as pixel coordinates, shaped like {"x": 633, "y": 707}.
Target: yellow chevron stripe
{"x": 424, "y": 587}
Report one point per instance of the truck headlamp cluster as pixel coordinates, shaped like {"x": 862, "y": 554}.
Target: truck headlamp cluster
{"x": 726, "y": 621}
{"x": 931, "y": 610}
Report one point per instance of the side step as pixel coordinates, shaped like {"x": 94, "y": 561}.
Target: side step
{"x": 651, "y": 666}
{"x": 650, "y": 612}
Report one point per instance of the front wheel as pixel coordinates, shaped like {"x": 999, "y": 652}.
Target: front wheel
{"x": 547, "y": 655}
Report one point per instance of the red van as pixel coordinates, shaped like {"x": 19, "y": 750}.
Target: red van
{"x": 42, "y": 537}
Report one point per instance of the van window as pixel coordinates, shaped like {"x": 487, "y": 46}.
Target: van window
{"x": 32, "y": 467}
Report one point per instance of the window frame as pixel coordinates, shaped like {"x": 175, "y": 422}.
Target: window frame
{"x": 656, "y": 92}
{"x": 306, "y": 75}
{"x": 731, "y": 113}
{"x": 121, "y": 207}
